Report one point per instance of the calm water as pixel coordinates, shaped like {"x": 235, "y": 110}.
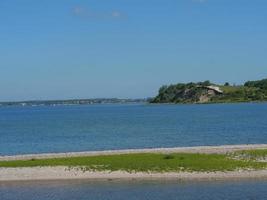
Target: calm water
{"x": 98, "y": 127}
{"x": 245, "y": 190}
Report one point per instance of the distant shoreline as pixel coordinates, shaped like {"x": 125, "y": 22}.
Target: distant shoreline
{"x": 145, "y": 102}
{"x": 68, "y": 102}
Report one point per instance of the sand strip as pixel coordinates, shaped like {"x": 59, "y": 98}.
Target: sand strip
{"x": 200, "y": 149}
{"x": 63, "y": 173}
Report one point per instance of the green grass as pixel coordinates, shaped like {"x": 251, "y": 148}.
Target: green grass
{"x": 235, "y": 94}
{"x": 146, "y": 162}
{"x": 231, "y": 89}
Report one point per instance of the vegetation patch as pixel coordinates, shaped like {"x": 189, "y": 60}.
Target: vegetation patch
{"x": 146, "y": 162}
{"x": 252, "y": 155}
{"x": 169, "y": 156}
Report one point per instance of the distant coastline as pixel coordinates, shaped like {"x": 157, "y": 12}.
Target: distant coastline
{"x": 180, "y": 93}
{"x": 73, "y": 102}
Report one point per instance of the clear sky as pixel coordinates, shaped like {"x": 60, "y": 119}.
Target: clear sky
{"x": 60, "y": 49}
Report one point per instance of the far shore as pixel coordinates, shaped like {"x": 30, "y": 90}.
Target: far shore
{"x": 207, "y": 155}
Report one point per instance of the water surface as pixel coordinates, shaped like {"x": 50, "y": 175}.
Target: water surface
{"x": 236, "y": 190}
{"x": 101, "y": 127}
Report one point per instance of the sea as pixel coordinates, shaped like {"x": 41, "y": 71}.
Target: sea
{"x": 47, "y": 129}
{"x": 74, "y": 128}
{"x": 139, "y": 190}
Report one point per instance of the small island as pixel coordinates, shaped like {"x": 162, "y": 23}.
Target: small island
{"x": 207, "y": 92}
{"x": 181, "y": 163}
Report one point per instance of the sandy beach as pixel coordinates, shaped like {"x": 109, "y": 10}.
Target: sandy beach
{"x": 64, "y": 173}
{"x": 198, "y": 149}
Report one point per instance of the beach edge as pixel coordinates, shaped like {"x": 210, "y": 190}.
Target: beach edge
{"x": 65, "y": 173}
{"x": 223, "y": 149}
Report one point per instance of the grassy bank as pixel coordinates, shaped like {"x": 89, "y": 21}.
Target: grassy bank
{"x": 149, "y": 162}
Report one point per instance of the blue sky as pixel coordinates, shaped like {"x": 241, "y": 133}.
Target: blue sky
{"x": 60, "y": 49}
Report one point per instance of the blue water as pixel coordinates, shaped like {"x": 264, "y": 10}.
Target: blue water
{"x": 97, "y": 127}
{"x": 81, "y": 190}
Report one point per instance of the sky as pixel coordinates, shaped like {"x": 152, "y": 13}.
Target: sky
{"x": 64, "y": 49}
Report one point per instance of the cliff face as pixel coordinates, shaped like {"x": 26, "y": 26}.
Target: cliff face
{"x": 186, "y": 93}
